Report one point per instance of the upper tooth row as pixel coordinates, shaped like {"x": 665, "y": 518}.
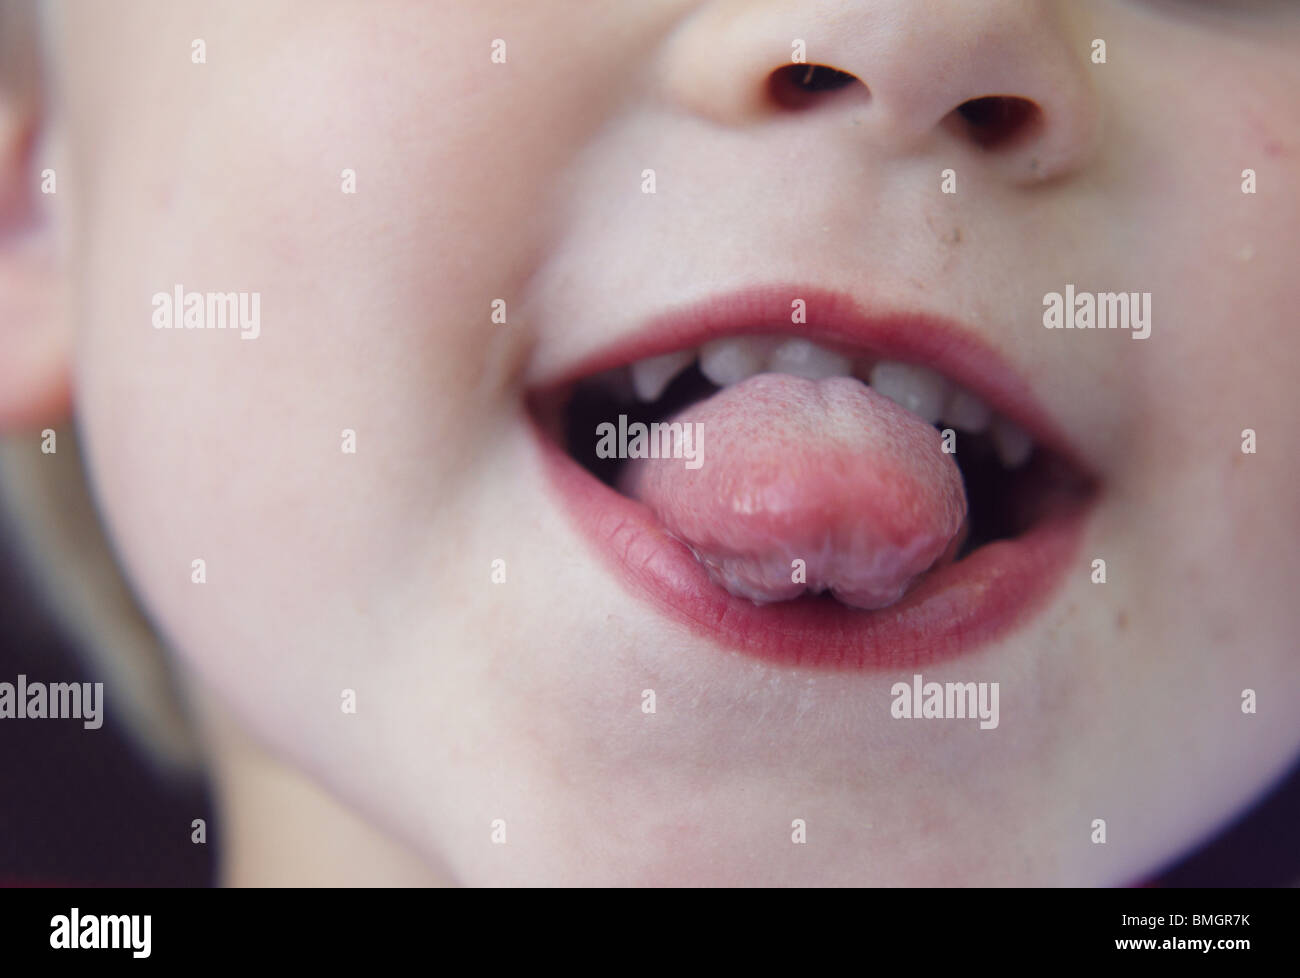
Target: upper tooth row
{"x": 919, "y": 389}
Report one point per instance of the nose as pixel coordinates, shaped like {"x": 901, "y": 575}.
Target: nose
{"x": 1009, "y": 81}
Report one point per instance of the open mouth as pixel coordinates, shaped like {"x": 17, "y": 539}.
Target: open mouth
{"x": 872, "y": 491}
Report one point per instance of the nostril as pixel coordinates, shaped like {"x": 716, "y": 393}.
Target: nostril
{"x": 795, "y": 86}
{"x": 996, "y": 121}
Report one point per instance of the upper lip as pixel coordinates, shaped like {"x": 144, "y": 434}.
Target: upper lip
{"x": 838, "y": 321}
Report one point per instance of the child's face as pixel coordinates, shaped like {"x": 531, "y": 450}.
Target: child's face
{"x": 523, "y": 700}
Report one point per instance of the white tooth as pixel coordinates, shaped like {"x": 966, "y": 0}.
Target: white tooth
{"x": 1012, "y": 442}
{"x": 651, "y": 377}
{"x": 729, "y": 361}
{"x": 966, "y": 412}
{"x": 804, "y": 359}
{"x": 919, "y": 389}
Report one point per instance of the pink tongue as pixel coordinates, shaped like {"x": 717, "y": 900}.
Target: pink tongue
{"x": 826, "y": 472}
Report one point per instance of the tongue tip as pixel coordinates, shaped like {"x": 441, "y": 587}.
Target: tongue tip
{"x": 824, "y": 468}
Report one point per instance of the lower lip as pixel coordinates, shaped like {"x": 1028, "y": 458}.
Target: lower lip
{"x": 954, "y": 611}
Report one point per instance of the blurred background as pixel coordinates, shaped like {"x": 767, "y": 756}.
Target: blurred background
{"x": 78, "y": 807}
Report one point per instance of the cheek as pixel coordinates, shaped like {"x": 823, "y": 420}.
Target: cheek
{"x": 1197, "y": 524}
{"x": 239, "y": 179}
{"x": 1219, "y": 264}
{"x": 374, "y": 317}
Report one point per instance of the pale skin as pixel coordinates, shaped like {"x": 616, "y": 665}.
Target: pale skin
{"x": 475, "y": 181}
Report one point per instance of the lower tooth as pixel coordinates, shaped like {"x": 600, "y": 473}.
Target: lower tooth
{"x": 1012, "y": 442}
{"x": 808, "y": 360}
